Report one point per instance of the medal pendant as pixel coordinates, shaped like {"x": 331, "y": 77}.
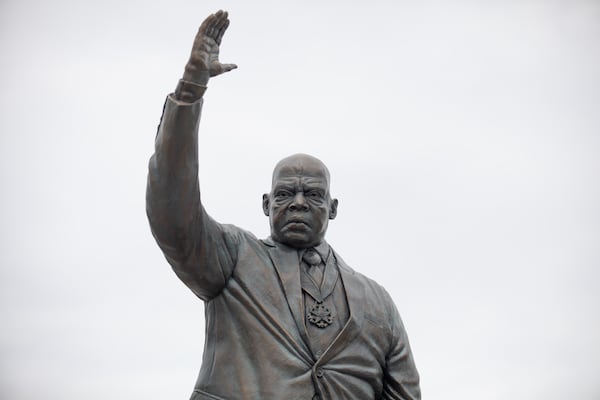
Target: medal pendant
{"x": 320, "y": 315}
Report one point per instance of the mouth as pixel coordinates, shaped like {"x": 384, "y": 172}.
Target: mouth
{"x": 297, "y": 223}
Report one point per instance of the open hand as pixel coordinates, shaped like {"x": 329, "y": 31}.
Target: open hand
{"x": 204, "y": 61}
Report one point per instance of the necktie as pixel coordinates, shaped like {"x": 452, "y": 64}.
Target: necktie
{"x": 318, "y": 314}
{"x": 313, "y": 260}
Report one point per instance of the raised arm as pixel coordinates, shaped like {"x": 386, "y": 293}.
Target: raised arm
{"x": 201, "y": 251}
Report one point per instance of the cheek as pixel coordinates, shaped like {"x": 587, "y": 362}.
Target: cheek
{"x": 277, "y": 213}
{"x": 278, "y": 204}
{"x": 323, "y": 211}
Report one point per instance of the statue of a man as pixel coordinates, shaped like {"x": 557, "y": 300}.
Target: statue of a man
{"x": 286, "y": 318}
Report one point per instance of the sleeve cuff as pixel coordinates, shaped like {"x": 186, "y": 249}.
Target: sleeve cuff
{"x": 189, "y": 92}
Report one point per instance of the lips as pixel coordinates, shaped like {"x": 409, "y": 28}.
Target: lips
{"x": 297, "y": 223}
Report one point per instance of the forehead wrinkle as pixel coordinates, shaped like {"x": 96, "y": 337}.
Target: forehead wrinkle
{"x": 301, "y": 182}
{"x": 300, "y": 171}
{"x": 300, "y": 179}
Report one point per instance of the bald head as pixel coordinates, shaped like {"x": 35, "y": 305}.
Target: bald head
{"x": 300, "y": 165}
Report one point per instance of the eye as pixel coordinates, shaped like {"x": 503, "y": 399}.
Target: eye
{"x": 282, "y": 194}
{"x": 314, "y": 194}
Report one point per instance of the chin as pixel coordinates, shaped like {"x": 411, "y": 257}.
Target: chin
{"x": 295, "y": 240}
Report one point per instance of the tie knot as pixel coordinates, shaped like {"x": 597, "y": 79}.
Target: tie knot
{"x": 311, "y": 257}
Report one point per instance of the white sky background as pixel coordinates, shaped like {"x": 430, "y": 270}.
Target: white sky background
{"x": 463, "y": 141}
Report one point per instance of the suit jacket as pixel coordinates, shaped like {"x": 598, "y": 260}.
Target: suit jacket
{"x": 256, "y": 342}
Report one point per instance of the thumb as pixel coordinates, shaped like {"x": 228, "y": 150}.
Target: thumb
{"x": 217, "y": 68}
{"x": 228, "y": 67}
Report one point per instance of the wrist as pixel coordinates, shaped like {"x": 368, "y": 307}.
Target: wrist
{"x": 192, "y": 74}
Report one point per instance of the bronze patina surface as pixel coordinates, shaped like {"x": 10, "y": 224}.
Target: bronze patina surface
{"x": 286, "y": 317}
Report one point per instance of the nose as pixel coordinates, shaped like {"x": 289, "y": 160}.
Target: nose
{"x": 299, "y": 203}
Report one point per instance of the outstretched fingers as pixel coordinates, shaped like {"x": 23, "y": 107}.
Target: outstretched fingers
{"x": 213, "y": 27}
{"x": 221, "y": 32}
{"x": 221, "y": 26}
{"x": 207, "y": 24}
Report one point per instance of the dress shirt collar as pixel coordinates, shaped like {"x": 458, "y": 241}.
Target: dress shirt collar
{"x": 323, "y": 250}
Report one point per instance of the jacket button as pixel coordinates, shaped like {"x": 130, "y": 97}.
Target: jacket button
{"x": 320, "y": 373}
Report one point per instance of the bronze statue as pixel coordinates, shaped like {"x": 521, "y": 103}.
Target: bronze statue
{"x": 286, "y": 318}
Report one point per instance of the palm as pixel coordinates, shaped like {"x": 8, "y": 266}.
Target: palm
{"x": 205, "y": 52}
{"x": 211, "y": 57}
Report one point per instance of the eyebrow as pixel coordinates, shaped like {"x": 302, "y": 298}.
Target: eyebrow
{"x": 306, "y": 186}
{"x": 284, "y": 186}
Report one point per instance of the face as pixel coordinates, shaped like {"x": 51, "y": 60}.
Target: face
{"x": 299, "y": 205}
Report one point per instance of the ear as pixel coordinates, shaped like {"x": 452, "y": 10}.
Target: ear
{"x": 265, "y": 204}
{"x": 333, "y": 208}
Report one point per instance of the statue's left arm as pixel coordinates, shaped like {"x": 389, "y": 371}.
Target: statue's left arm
{"x": 401, "y": 379}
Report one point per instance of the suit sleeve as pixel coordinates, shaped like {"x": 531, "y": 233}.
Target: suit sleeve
{"x": 201, "y": 251}
{"x": 401, "y": 379}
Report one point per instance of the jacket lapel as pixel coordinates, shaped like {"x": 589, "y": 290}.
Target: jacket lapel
{"x": 285, "y": 260}
{"x": 354, "y": 295}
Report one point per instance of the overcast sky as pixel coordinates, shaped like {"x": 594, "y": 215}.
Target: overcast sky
{"x": 463, "y": 141}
